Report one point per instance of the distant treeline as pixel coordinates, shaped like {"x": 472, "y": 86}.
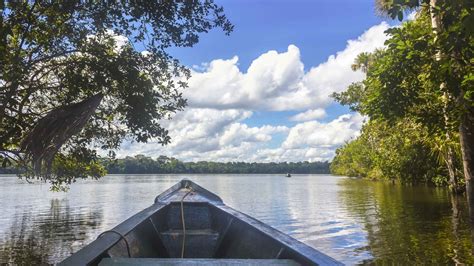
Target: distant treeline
{"x": 141, "y": 164}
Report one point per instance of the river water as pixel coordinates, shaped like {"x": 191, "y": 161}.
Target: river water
{"x": 354, "y": 221}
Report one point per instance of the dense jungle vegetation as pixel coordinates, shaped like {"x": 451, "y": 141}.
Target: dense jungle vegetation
{"x": 418, "y": 97}
{"x": 141, "y": 164}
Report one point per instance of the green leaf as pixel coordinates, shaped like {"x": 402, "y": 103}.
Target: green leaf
{"x": 400, "y": 15}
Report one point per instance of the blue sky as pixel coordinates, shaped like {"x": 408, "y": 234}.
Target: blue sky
{"x": 318, "y": 27}
{"x": 262, "y": 93}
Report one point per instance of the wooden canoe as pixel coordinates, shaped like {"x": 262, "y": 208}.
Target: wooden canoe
{"x": 213, "y": 234}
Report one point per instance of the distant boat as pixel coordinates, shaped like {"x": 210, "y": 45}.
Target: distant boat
{"x": 189, "y": 225}
{"x": 288, "y": 175}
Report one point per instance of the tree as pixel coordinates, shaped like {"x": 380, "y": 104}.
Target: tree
{"x": 141, "y": 164}
{"x": 403, "y": 88}
{"x": 396, "y": 152}
{"x": 452, "y": 23}
{"x": 77, "y": 76}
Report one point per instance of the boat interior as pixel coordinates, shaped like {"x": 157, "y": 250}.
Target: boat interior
{"x": 189, "y": 225}
{"x": 210, "y": 233}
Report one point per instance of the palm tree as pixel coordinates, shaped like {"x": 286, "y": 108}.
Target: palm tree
{"x": 364, "y": 60}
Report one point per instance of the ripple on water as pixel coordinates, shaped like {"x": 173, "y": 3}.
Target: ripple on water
{"x": 352, "y": 220}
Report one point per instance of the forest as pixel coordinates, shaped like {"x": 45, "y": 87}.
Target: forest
{"x": 65, "y": 97}
{"x": 141, "y": 164}
{"x": 418, "y": 98}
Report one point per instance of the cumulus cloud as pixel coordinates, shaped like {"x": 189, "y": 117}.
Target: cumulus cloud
{"x": 313, "y": 141}
{"x": 309, "y": 115}
{"x": 293, "y": 155}
{"x": 222, "y": 85}
{"x": 237, "y": 133}
{"x": 277, "y": 81}
{"x": 205, "y": 134}
{"x": 313, "y": 134}
{"x": 208, "y": 134}
{"x": 222, "y": 97}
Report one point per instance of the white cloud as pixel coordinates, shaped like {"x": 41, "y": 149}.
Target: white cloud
{"x": 237, "y": 133}
{"x": 412, "y": 15}
{"x": 293, "y": 155}
{"x": 335, "y": 74}
{"x": 120, "y": 40}
{"x": 202, "y": 134}
{"x": 277, "y": 81}
{"x": 313, "y": 141}
{"x": 221, "y": 98}
{"x": 223, "y": 86}
{"x": 311, "y": 114}
{"x": 208, "y": 134}
{"x": 313, "y": 134}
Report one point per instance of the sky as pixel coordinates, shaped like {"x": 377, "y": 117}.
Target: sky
{"x": 262, "y": 94}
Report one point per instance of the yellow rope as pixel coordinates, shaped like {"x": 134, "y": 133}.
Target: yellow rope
{"x": 182, "y": 221}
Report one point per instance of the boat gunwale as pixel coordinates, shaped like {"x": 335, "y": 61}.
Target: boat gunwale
{"x": 283, "y": 239}
{"x": 168, "y": 194}
{"x": 94, "y": 251}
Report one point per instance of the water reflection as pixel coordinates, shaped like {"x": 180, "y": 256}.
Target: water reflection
{"x": 353, "y": 221}
{"x": 41, "y": 238}
{"x": 405, "y": 224}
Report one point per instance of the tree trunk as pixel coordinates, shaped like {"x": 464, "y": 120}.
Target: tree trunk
{"x": 450, "y": 154}
{"x": 466, "y": 126}
{"x": 466, "y": 135}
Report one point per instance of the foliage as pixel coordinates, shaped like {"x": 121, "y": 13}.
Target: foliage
{"x": 55, "y": 55}
{"x": 400, "y": 82}
{"x": 390, "y": 152}
{"x": 141, "y": 164}
{"x": 407, "y": 106}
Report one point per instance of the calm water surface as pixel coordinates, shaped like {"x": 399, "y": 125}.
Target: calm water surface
{"x": 353, "y": 221}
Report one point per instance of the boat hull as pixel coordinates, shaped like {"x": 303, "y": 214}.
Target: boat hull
{"x": 212, "y": 231}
